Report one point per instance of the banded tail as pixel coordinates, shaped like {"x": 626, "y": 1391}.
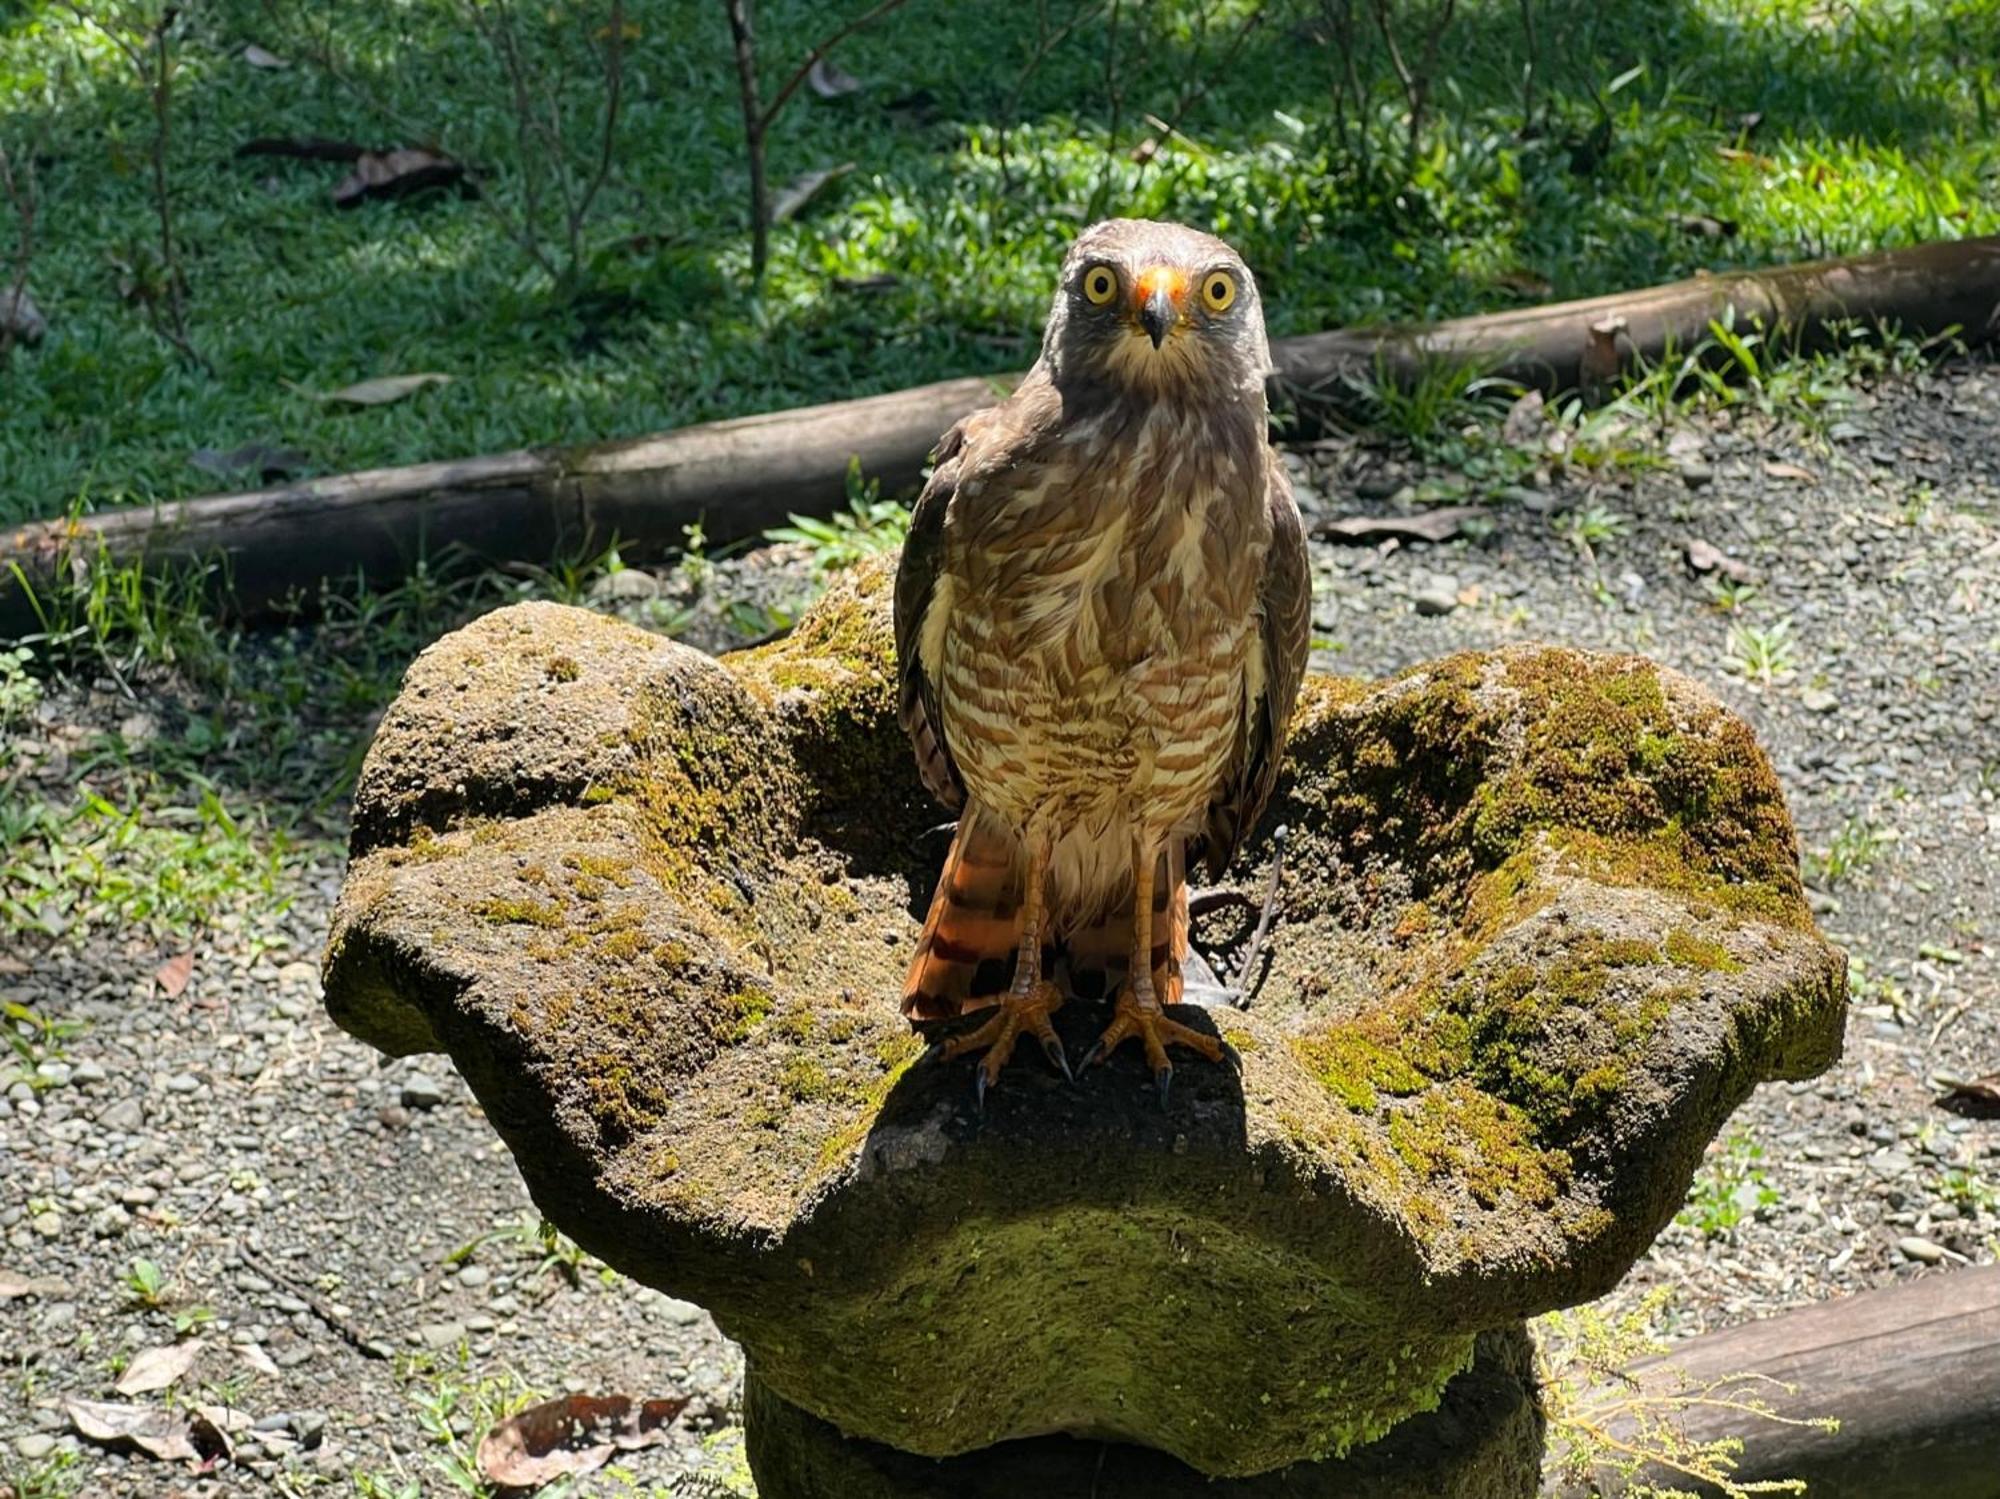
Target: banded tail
{"x": 974, "y": 919}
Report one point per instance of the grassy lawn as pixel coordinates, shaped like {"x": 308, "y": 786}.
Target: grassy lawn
{"x": 971, "y": 170}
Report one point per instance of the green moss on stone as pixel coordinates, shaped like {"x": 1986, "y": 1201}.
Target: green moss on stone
{"x": 803, "y": 1080}
{"x": 1460, "y": 1134}
{"x": 1459, "y": 766}
{"x": 1352, "y": 1065}
{"x": 519, "y": 911}
{"x": 745, "y": 1009}
{"x": 1689, "y": 951}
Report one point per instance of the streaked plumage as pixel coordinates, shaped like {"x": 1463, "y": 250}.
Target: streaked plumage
{"x": 1102, "y": 618}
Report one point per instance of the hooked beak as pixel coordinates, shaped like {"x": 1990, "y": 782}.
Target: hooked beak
{"x": 1159, "y": 295}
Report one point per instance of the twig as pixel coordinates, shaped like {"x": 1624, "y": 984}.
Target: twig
{"x": 1202, "y": 902}
{"x": 149, "y": 55}
{"x": 745, "y": 43}
{"x": 820, "y": 49}
{"x": 758, "y": 119}
{"x": 1245, "y": 974}
{"x": 1202, "y": 78}
{"x": 1416, "y": 82}
{"x": 1114, "y": 90}
{"x": 1528, "y": 68}
{"x": 498, "y": 30}
{"x": 1046, "y": 41}
{"x": 1947, "y": 1021}
{"x": 21, "y": 194}
{"x": 341, "y": 1326}
{"x": 614, "y": 96}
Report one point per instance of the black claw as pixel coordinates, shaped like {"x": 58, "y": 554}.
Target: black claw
{"x": 931, "y": 1053}
{"x": 1164, "y": 1080}
{"x": 1054, "y": 1051}
{"x": 1095, "y": 1055}
{"x": 979, "y": 1088}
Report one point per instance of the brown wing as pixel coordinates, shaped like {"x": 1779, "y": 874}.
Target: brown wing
{"x": 998, "y": 444}
{"x": 1285, "y": 638}
{"x": 916, "y": 586}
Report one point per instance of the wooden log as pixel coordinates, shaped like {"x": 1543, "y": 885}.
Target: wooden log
{"x": 1923, "y": 290}
{"x": 739, "y": 477}
{"x": 275, "y": 545}
{"x": 1911, "y": 1372}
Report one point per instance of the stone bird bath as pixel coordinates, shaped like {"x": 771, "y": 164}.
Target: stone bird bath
{"x": 1541, "y": 932}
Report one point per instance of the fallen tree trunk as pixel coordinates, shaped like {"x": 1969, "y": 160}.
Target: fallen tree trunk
{"x": 1912, "y": 1373}
{"x": 739, "y": 477}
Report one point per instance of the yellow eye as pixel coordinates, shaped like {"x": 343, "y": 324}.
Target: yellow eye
{"x": 1100, "y": 284}
{"x": 1218, "y": 290}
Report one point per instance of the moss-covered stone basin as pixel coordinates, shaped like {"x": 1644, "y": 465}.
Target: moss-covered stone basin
{"x": 1541, "y": 931}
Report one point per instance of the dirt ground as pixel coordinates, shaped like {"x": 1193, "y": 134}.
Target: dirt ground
{"x": 310, "y": 1209}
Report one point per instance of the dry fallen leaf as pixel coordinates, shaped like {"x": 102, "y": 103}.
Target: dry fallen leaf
{"x": 830, "y": 80}
{"x": 257, "y": 57}
{"x": 1789, "y": 471}
{"x": 802, "y": 189}
{"x": 1525, "y": 283}
{"x": 172, "y": 1436}
{"x": 571, "y": 1435}
{"x": 158, "y": 1368}
{"x": 1972, "y": 1095}
{"x": 266, "y": 461}
{"x": 1428, "y": 525}
{"x": 380, "y": 392}
{"x": 397, "y": 174}
{"x": 1702, "y": 557}
{"x": 254, "y": 1355}
{"x": 1704, "y": 226}
{"x": 172, "y": 976}
{"x": 1525, "y": 420}
{"x": 13, "y": 1284}
{"x": 1738, "y": 157}
{"x": 20, "y": 316}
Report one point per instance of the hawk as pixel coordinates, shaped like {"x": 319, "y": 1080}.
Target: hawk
{"x": 1102, "y": 618}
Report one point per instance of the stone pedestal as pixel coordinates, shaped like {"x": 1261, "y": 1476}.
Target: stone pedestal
{"x": 1484, "y": 1441}
{"x": 1540, "y": 931}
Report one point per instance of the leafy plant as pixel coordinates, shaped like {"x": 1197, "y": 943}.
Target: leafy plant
{"x": 868, "y": 526}
{"x": 19, "y": 692}
{"x": 1604, "y": 1425}
{"x": 455, "y": 1409}
{"x": 1731, "y": 1185}
{"x": 145, "y": 1285}
{"x": 1726, "y": 595}
{"x": 1591, "y": 526}
{"x": 53, "y": 1477}
{"x": 1855, "y": 845}
{"x": 33, "y": 1036}
{"x": 1968, "y": 1190}
{"x": 538, "y": 1239}
{"x": 1446, "y": 393}
{"x": 1760, "y": 653}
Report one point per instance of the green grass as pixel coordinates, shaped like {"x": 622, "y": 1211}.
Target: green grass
{"x": 236, "y": 791}
{"x": 1878, "y": 128}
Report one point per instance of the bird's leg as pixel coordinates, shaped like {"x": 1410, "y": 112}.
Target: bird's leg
{"x": 1138, "y": 1011}
{"x": 1030, "y": 999}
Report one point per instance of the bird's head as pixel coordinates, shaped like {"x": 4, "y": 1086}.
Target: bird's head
{"x": 1154, "y": 308}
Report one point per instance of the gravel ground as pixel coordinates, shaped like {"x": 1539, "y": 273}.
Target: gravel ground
{"x": 302, "y": 1198}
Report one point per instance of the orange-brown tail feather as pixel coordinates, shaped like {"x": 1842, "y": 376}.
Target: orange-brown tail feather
{"x": 974, "y": 919}
{"x": 1104, "y": 946}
